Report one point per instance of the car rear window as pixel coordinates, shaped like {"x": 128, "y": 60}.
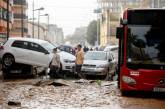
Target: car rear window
{"x": 20, "y": 44}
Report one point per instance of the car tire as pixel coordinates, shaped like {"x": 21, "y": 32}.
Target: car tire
{"x": 5, "y": 73}
{"x": 106, "y": 76}
{"x": 8, "y": 60}
{"x": 124, "y": 93}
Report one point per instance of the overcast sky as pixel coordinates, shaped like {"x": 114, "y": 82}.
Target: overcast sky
{"x": 67, "y": 14}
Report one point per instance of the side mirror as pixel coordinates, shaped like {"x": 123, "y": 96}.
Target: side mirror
{"x": 124, "y": 22}
{"x": 140, "y": 43}
{"x": 119, "y": 32}
{"x": 109, "y": 60}
{"x": 46, "y": 52}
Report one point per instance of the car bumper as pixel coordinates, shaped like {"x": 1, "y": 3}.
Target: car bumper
{"x": 95, "y": 71}
{"x": 69, "y": 67}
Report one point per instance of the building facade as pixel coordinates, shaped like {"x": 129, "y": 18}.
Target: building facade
{"x": 3, "y": 18}
{"x": 55, "y": 34}
{"x": 111, "y": 14}
{"x": 41, "y": 28}
{"x": 159, "y": 3}
{"x": 20, "y": 24}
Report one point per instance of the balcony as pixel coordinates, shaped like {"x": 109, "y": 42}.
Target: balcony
{"x": 20, "y": 3}
{"x": 20, "y": 16}
{"x": 19, "y": 30}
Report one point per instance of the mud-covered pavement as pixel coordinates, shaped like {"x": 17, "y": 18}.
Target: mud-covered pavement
{"x": 47, "y": 94}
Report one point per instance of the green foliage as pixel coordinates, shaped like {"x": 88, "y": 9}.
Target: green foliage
{"x": 98, "y": 82}
{"x": 92, "y": 32}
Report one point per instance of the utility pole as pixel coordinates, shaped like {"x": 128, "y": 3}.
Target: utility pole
{"x": 38, "y": 24}
{"x": 33, "y": 21}
{"x": 22, "y": 19}
{"x": 158, "y": 3}
{"x": 39, "y": 9}
{"x": 8, "y": 19}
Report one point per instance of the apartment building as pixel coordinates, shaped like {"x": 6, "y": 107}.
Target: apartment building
{"x": 159, "y": 3}
{"x": 3, "y": 18}
{"x": 55, "y": 34}
{"x": 110, "y": 16}
{"x": 42, "y": 31}
{"x": 20, "y": 26}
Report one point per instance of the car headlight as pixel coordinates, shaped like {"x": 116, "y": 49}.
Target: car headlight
{"x": 101, "y": 66}
{"x": 68, "y": 61}
{"x": 129, "y": 80}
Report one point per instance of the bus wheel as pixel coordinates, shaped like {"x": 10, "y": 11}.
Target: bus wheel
{"x": 118, "y": 82}
{"x": 123, "y": 93}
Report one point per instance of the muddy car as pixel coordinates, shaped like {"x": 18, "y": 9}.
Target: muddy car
{"x": 99, "y": 63}
{"x": 33, "y": 52}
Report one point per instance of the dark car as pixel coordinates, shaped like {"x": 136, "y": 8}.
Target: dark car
{"x": 67, "y": 48}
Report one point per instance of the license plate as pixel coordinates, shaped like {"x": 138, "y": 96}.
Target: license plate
{"x": 88, "y": 70}
{"x": 158, "y": 89}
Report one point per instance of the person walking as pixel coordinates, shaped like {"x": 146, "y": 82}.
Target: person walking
{"x": 79, "y": 61}
{"x": 55, "y": 65}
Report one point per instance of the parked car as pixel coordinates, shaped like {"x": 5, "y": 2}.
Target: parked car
{"x": 33, "y": 52}
{"x": 99, "y": 63}
{"x": 112, "y": 49}
{"x": 67, "y": 48}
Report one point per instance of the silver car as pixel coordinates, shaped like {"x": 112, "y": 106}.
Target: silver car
{"x": 99, "y": 63}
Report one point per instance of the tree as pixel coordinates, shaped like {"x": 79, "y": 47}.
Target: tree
{"x": 92, "y": 32}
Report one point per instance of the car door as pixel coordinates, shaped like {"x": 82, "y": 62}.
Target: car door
{"x": 20, "y": 51}
{"x": 111, "y": 63}
{"x": 39, "y": 56}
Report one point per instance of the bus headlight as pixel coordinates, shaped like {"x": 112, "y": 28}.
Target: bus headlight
{"x": 129, "y": 80}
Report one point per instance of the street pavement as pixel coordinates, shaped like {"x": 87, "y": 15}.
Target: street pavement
{"x": 73, "y": 93}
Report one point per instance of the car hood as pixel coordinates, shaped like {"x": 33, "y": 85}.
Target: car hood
{"x": 95, "y": 62}
{"x": 65, "y": 55}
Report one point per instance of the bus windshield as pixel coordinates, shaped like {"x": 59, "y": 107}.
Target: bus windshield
{"x": 146, "y": 42}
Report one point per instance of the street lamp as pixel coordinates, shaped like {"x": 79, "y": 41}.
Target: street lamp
{"x": 8, "y": 19}
{"x": 97, "y": 11}
{"x": 39, "y": 9}
{"x": 47, "y": 23}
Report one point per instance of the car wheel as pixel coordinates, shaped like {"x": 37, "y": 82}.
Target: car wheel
{"x": 124, "y": 93}
{"x": 8, "y": 60}
{"x": 34, "y": 72}
{"x": 5, "y": 73}
{"x": 107, "y": 76}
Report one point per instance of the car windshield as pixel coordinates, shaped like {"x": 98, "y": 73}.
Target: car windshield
{"x": 95, "y": 56}
{"x": 48, "y": 46}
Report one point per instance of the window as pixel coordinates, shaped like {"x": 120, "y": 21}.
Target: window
{"x": 20, "y": 44}
{"x": 36, "y": 47}
{"x": 1, "y": 15}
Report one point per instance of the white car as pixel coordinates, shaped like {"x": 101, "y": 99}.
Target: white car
{"x": 33, "y": 52}
{"x": 99, "y": 63}
{"x": 112, "y": 49}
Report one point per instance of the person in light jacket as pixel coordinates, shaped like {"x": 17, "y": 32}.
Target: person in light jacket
{"x": 55, "y": 65}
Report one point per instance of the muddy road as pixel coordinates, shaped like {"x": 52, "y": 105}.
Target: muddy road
{"x": 64, "y": 94}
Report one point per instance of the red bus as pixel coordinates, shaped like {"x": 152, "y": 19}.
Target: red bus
{"x": 141, "y": 65}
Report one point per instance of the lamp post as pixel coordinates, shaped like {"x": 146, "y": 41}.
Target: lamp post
{"x": 97, "y": 11}
{"x": 22, "y": 19}
{"x": 39, "y": 9}
{"x": 47, "y": 24}
{"x": 33, "y": 20}
{"x": 8, "y": 19}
